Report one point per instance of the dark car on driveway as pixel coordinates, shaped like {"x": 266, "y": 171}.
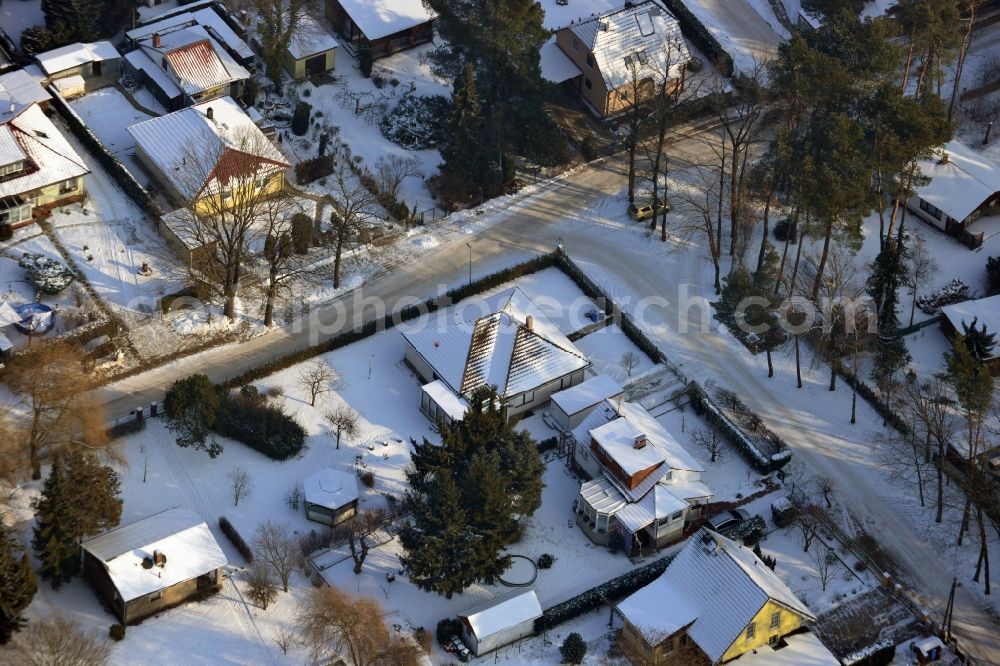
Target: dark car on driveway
{"x": 727, "y": 520}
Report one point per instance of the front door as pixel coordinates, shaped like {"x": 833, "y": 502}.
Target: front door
{"x": 316, "y": 65}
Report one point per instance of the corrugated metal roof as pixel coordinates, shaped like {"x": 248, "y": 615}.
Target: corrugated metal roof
{"x": 503, "y": 613}
{"x": 10, "y": 149}
{"x": 205, "y": 17}
{"x": 645, "y": 33}
{"x": 657, "y": 504}
{"x": 52, "y": 155}
{"x": 21, "y": 87}
{"x": 179, "y": 533}
{"x": 197, "y": 67}
{"x": 602, "y": 495}
{"x": 720, "y": 585}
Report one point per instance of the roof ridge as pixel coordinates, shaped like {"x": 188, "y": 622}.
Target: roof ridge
{"x": 37, "y": 139}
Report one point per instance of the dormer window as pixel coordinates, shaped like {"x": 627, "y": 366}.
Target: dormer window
{"x": 12, "y": 168}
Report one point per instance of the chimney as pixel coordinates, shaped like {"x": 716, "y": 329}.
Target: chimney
{"x": 156, "y": 40}
{"x": 159, "y": 559}
{"x": 640, "y": 441}
{"x": 944, "y": 158}
{"x": 529, "y": 323}
{"x": 210, "y": 113}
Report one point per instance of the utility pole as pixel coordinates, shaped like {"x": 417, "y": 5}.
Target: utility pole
{"x": 949, "y": 611}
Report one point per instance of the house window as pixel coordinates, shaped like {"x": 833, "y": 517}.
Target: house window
{"x": 628, "y": 61}
{"x": 775, "y": 620}
{"x": 68, "y": 185}
{"x": 424, "y": 402}
{"x": 155, "y": 595}
{"x": 576, "y": 45}
{"x": 677, "y": 515}
{"x": 663, "y": 521}
{"x": 930, "y": 209}
{"x": 751, "y": 631}
{"x": 15, "y": 215}
{"x": 590, "y": 61}
{"x": 587, "y": 83}
{"x": 641, "y": 57}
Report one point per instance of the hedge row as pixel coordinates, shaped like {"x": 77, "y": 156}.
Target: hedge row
{"x": 700, "y": 36}
{"x": 761, "y": 462}
{"x": 407, "y": 313}
{"x": 263, "y": 427}
{"x": 877, "y": 654}
{"x": 128, "y": 427}
{"x": 880, "y": 407}
{"x": 122, "y": 176}
{"x": 235, "y": 539}
{"x": 612, "y": 590}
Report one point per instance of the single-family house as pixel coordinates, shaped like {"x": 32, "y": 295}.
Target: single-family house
{"x": 330, "y": 496}
{"x": 312, "y": 49}
{"x": 500, "y": 621}
{"x": 515, "y": 349}
{"x": 964, "y": 185}
{"x": 79, "y": 68}
{"x": 644, "y": 486}
{"x": 154, "y": 563}
{"x": 209, "y": 156}
{"x": 571, "y": 406}
{"x": 189, "y": 58}
{"x": 39, "y": 169}
{"x": 715, "y": 602}
{"x": 626, "y": 56}
{"x": 982, "y": 312}
{"x": 384, "y": 26}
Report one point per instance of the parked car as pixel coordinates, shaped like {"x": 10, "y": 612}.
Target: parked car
{"x": 639, "y": 212}
{"x": 728, "y": 519}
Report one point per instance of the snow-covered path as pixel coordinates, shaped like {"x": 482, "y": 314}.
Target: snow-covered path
{"x": 577, "y": 214}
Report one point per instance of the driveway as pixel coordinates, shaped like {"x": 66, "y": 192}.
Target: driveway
{"x": 741, "y": 31}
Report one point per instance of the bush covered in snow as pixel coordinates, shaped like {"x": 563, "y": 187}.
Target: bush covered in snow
{"x": 573, "y": 649}
{"x": 236, "y": 539}
{"x": 877, "y": 654}
{"x": 955, "y": 291}
{"x": 261, "y": 426}
{"x": 417, "y": 123}
{"x": 48, "y": 275}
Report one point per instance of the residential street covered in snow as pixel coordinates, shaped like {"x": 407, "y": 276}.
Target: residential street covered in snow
{"x": 573, "y": 212}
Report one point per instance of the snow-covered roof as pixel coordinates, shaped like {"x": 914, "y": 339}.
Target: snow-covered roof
{"x": 986, "y": 312}
{"x": 205, "y": 17}
{"x": 689, "y": 489}
{"x": 587, "y": 395}
{"x": 8, "y": 315}
{"x": 193, "y": 59}
{"x": 556, "y": 66}
{"x": 69, "y": 83}
{"x": 502, "y": 613}
{"x": 179, "y": 534}
{"x": 602, "y": 495}
{"x": 172, "y": 139}
{"x": 723, "y": 584}
{"x": 381, "y": 18}
{"x": 74, "y": 55}
{"x": 141, "y": 62}
{"x": 960, "y": 184}
{"x": 643, "y": 36}
{"x": 627, "y": 445}
{"x": 797, "y": 650}
{"x": 21, "y": 88}
{"x": 330, "y": 488}
{"x": 659, "y": 503}
{"x": 516, "y": 348}
{"x": 310, "y": 38}
{"x": 453, "y": 405}
{"x": 52, "y": 157}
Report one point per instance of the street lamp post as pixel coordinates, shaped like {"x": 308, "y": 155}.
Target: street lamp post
{"x": 469, "y": 245}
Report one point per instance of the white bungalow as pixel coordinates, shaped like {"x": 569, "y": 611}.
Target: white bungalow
{"x": 500, "y": 621}
{"x": 515, "y": 349}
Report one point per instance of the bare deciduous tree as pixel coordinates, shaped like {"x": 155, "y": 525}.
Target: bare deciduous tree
{"x": 358, "y": 533}
{"x": 48, "y": 382}
{"x": 280, "y": 261}
{"x": 826, "y": 487}
{"x": 629, "y": 361}
{"x": 922, "y": 268}
{"x": 390, "y": 172}
{"x": 709, "y": 439}
{"x": 277, "y": 22}
{"x": 275, "y": 546}
{"x": 344, "y": 421}
{"x": 318, "y": 378}
{"x": 702, "y": 198}
{"x": 337, "y": 624}
{"x": 57, "y": 641}
{"x": 827, "y": 565}
{"x": 240, "y": 484}
{"x": 285, "y": 638}
{"x": 354, "y": 208}
{"x": 260, "y": 582}
{"x": 807, "y": 526}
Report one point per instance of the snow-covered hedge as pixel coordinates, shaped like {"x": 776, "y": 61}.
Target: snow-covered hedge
{"x": 611, "y": 591}
{"x": 955, "y": 291}
{"x": 757, "y": 459}
{"x": 48, "y": 275}
{"x": 417, "y": 123}
{"x": 700, "y": 36}
{"x": 876, "y": 654}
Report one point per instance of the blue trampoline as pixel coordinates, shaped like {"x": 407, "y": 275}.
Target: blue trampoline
{"x": 36, "y": 318}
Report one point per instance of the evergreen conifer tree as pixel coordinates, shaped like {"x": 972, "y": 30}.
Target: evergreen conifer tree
{"x": 17, "y": 583}
{"x": 55, "y": 536}
{"x": 888, "y": 274}
{"x": 469, "y": 166}
{"x": 978, "y": 341}
{"x": 95, "y": 490}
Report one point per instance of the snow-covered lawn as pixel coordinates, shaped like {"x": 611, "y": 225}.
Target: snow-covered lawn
{"x": 19, "y": 15}
{"x": 559, "y": 16}
{"x": 108, "y": 113}
{"x": 606, "y": 347}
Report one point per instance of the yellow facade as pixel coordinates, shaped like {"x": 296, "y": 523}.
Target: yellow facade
{"x": 59, "y": 191}
{"x": 210, "y": 204}
{"x": 764, "y": 630}
{"x": 297, "y": 68}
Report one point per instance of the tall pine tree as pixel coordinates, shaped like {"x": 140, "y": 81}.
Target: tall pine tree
{"x": 95, "y": 490}
{"x": 55, "y": 541}
{"x": 17, "y": 583}
{"x": 467, "y": 497}
{"x": 889, "y": 272}
{"x": 469, "y": 167}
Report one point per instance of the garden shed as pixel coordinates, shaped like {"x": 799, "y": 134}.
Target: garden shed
{"x": 500, "y": 621}
{"x": 571, "y": 406}
{"x": 331, "y": 496}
